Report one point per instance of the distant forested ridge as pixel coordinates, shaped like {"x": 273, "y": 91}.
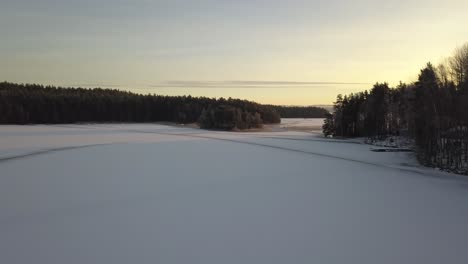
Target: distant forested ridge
{"x": 35, "y": 104}
{"x": 433, "y": 111}
{"x": 300, "y": 111}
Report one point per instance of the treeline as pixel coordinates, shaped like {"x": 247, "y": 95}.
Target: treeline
{"x": 37, "y": 104}
{"x": 228, "y": 118}
{"x": 433, "y": 111}
{"x": 300, "y": 111}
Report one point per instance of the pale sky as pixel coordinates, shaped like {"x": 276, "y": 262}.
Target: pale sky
{"x": 282, "y": 52}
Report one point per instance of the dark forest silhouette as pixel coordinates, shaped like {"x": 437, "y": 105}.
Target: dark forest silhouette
{"x": 300, "y": 111}
{"x": 433, "y": 111}
{"x": 37, "y": 104}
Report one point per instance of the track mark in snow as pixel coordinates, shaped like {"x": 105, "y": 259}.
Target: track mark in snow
{"x": 74, "y": 126}
{"x": 199, "y": 136}
{"x": 287, "y": 149}
{"x": 316, "y": 140}
{"x": 45, "y": 151}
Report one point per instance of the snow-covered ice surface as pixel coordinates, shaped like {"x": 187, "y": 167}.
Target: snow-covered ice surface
{"x": 311, "y": 125}
{"x": 144, "y": 193}
{"x": 302, "y": 122}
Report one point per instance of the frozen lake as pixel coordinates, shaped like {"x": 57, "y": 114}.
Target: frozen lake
{"x": 144, "y": 193}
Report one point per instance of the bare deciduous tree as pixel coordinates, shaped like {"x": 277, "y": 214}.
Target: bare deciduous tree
{"x": 459, "y": 64}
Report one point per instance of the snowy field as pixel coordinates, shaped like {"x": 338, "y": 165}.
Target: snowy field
{"x": 144, "y": 193}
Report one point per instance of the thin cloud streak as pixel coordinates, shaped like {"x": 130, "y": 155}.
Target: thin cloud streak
{"x": 219, "y": 85}
{"x": 222, "y": 84}
{"x": 96, "y": 85}
{"x": 248, "y": 84}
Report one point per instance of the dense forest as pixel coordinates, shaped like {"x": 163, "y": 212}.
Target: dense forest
{"x": 32, "y": 104}
{"x": 433, "y": 111}
{"x": 300, "y": 111}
